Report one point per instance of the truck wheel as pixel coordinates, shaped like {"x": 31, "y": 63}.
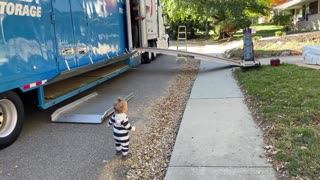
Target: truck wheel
{"x": 154, "y": 45}
{"x": 151, "y": 56}
{"x": 11, "y": 118}
{"x": 146, "y": 59}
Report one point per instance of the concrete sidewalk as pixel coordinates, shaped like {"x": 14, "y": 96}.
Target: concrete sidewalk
{"x": 218, "y": 138}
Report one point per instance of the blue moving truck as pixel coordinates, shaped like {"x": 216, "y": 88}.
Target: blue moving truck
{"x": 56, "y": 49}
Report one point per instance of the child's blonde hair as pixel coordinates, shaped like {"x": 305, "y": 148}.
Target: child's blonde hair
{"x": 120, "y": 106}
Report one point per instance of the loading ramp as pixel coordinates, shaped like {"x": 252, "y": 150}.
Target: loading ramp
{"x": 86, "y": 110}
{"x": 248, "y": 59}
{"x": 199, "y": 56}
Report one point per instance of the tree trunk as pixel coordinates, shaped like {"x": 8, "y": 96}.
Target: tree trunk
{"x": 223, "y": 35}
{"x": 193, "y": 34}
{"x": 207, "y": 27}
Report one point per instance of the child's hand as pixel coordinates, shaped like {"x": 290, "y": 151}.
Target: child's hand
{"x": 108, "y": 125}
{"x": 133, "y": 128}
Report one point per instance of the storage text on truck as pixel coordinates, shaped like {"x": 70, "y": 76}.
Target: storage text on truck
{"x": 17, "y": 9}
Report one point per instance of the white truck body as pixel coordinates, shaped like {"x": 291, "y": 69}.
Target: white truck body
{"x": 152, "y": 27}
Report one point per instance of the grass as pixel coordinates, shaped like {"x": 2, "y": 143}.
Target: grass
{"x": 288, "y": 98}
{"x": 262, "y": 31}
{"x": 275, "y": 47}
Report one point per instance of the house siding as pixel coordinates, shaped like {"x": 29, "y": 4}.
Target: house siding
{"x": 313, "y": 23}
{"x": 303, "y": 19}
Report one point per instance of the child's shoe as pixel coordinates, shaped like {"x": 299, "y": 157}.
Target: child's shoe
{"x": 118, "y": 153}
{"x": 126, "y": 156}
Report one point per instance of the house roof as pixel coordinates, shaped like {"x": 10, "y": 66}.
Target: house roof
{"x": 294, "y": 4}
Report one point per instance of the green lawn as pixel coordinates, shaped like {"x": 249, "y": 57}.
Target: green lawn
{"x": 287, "y": 99}
{"x": 262, "y": 31}
{"x": 271, "y": 48}
{"x": 276, "y": 46}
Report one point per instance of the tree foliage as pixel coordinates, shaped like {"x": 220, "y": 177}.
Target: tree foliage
{"x": 278, "y": 2}
{"x": 229, "y": 15}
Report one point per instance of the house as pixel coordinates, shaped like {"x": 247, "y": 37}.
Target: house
{"x": 305, "y": 13}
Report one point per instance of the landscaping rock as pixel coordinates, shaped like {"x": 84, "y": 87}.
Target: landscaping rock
{"x": 285, "y": 53}
{"x": 295, "y": 53}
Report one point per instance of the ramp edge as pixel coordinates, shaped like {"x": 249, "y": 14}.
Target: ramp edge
{"x": 56, "y": 114}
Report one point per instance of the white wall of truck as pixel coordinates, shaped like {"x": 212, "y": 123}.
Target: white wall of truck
{"x": 152, "y": 27}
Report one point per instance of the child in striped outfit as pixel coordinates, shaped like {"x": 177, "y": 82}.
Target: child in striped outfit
{"x": 121, "y": 127}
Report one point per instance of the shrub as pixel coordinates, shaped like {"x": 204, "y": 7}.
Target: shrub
{"x": 282, "y": 20}
{"x": 280, "y": 33}
{"x": 256, "y": 37}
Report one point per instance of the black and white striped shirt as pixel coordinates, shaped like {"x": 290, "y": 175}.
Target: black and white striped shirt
{"x": 121, "y": 127}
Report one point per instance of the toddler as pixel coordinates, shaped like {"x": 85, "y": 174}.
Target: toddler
{"x": 121, "y": 127}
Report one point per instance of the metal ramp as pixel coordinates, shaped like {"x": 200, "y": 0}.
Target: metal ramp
{"x": 192, "y": 55}
{"x": 79, "y": 110}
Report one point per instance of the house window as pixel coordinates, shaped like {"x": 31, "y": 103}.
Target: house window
{"x": 313, "y": 7}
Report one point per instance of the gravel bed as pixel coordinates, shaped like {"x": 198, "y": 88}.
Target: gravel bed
{"x": 152, "y": 144}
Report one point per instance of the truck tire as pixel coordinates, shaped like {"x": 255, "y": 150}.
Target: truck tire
{"x": 11, "y": 118}
{"x": 148, "y": 57}
{"x": 154, "y": 55}
{"x": 151, "y": 55}
{"x": 145, "y": 57}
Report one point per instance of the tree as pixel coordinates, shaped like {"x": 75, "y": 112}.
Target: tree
{"x": 228, "y": 15}
{"x": 278, "y": 2}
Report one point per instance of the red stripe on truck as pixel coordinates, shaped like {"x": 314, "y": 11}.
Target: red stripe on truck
{"x": 38, "y": 83}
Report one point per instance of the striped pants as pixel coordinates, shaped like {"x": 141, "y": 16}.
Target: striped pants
{"x": 123, "y": 147}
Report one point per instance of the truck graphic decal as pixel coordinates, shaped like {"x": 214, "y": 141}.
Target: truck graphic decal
{"x": 150, "y": 8}
{"x": 17, "y": 9}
